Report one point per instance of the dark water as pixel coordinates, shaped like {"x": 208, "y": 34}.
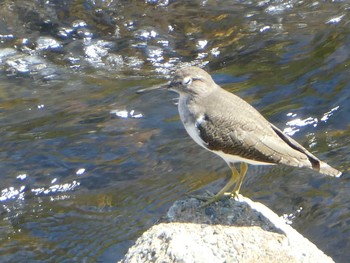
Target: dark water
{"x": 86, "y": 165}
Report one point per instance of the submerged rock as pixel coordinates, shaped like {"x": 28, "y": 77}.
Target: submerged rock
{"x": 226, "y": 231}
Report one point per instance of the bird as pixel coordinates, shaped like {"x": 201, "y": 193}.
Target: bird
{"x": 228, "y": 126}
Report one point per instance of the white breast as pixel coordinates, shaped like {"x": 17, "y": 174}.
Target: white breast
{"x": 190, "y": 122}
{"x": 193, "y": 131}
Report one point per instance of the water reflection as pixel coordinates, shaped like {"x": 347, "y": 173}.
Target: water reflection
{"x": 12, "y": 193}
{"x": 87, "y": 164}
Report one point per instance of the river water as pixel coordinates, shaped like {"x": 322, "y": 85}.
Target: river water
{"x": 87, "y": 165}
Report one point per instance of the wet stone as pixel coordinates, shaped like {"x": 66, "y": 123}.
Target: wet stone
{"x": 247, "y": 232}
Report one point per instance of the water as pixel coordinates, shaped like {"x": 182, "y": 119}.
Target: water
{"x": 87, "y": 164}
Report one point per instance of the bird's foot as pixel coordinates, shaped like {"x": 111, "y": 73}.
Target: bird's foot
{"x": 208, "y": 195}
{"x": 210, "y": 198}
{"x": 234, "y": 195}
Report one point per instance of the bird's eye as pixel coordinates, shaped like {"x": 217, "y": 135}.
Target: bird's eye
{"x": 187, "y": 81}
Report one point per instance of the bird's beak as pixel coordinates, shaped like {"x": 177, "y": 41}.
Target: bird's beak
{"x": 155, "y": 87}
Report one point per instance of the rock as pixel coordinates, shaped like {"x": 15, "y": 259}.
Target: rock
{"x": 226, "y": 231}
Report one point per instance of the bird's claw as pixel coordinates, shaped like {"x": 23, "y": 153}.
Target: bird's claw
{"x": 211, "y": 198}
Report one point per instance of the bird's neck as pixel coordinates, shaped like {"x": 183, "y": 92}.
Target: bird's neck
{"x": 189, "y": 107}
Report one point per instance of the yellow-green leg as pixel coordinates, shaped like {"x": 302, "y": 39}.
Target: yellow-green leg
{"x": 233, "y": 180}
{"x": 242, "y": 173}
{"x": 236, "y": 178}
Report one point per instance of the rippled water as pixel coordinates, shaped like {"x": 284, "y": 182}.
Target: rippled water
{"x": 87, "y": 164}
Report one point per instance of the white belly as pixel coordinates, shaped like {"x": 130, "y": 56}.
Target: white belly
{"x": 236, "y": 159}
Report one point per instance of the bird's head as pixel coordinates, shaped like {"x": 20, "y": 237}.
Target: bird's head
{"x": 188, "y": 81}
{"x": 192, "y": 81}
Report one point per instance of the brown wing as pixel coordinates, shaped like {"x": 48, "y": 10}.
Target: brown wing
{"x": 233, "y": 126}
{"x": 252, "y": 141}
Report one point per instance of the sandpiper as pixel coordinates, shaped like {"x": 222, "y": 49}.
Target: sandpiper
{"x": 228, "y": 126}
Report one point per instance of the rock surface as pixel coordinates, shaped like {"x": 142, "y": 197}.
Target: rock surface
{"x": 226, "y": 231}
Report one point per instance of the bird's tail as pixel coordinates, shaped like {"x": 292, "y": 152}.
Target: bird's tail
{"x": 329, "y": 170}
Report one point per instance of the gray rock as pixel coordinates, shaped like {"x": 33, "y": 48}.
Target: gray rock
{"x": 226, "y": 231}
